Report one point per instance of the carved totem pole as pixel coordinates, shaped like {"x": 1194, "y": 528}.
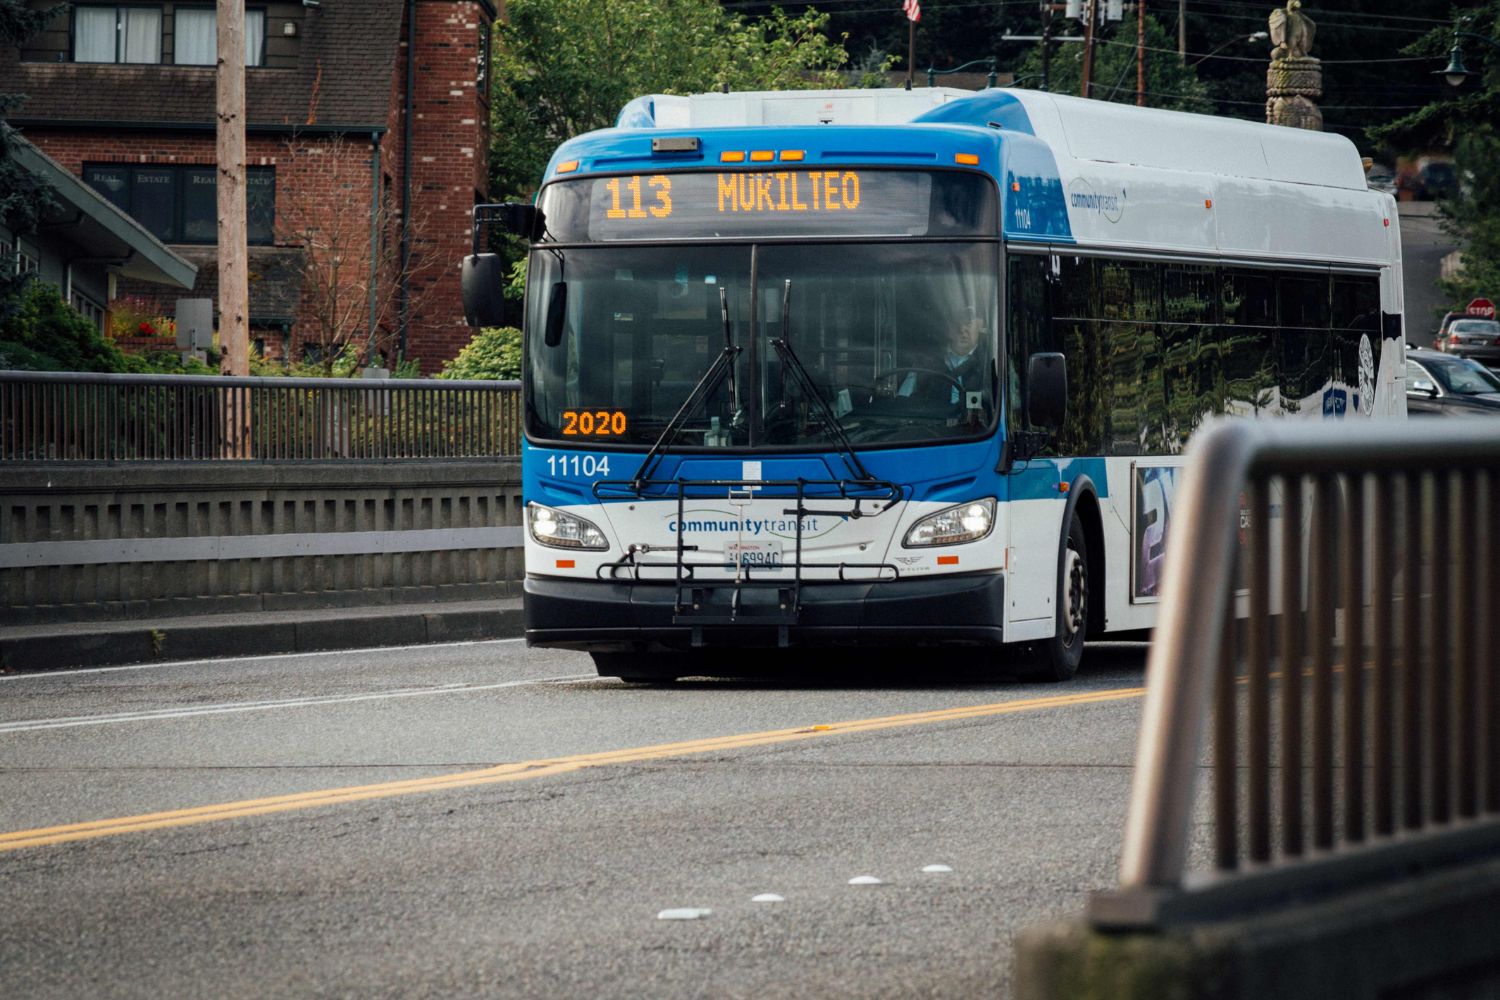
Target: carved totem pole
{"x": 1295, "y": 78}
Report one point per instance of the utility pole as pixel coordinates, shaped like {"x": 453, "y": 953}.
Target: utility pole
{"x": 1140, "y": 53}
{"x": 234, "y": 279}
{"x": 1182, "y": 31}
{"x": 1090, "y": 12}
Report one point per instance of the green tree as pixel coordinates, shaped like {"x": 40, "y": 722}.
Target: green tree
{"x": 1466, "y": 117}
{"x": 1473, "y": 215}
{"x": 1169, "y": 84}
{"x": 564, "y": 67}
{"x": 494, "y": 353}
{"x": 23, "y": 200}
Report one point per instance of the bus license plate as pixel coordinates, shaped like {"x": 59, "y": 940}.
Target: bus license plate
{"x": 752, "y": 555}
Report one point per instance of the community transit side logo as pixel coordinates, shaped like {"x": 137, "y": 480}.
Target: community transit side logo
{"x": 1107, "y": 202}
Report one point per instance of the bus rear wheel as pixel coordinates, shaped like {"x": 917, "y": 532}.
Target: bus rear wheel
{"x": 1056, "y": 659}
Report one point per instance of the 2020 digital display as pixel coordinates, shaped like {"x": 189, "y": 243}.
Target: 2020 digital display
{"x": 594, "y": 423}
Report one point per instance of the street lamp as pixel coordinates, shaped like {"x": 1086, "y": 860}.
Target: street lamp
{"x": 1259, "y": 36}
{"x": 1456, "y": 72}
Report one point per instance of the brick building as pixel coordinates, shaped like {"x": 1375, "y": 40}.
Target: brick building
{"x": 363, "y": 152}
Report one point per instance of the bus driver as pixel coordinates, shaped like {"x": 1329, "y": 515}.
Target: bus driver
{"x": 962, "y": 362}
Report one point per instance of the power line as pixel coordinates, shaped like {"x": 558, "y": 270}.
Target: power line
{"x": 1262, "y": 59}
{"x": 1326, "y": 14}
{"x": 1362, "y": 19}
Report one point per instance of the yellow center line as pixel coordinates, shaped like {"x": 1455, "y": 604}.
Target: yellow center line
{"x": 528, "y": 770}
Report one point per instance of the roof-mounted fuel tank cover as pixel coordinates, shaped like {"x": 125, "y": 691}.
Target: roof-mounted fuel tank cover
{"x": 675, "y": 144}
{"x": 877, "y": 106}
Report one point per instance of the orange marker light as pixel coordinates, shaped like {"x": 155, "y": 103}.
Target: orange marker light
{"x": 968, "y": 159}
{"x": 732, "y": 156}
{"x": 1015, "y": 185}
{"x": 567, "y": 166}
{"x": 947, "y": 560}
{"x": 565, "y": 564}
{"x": 1208, "y": 203}
{"x": 762, "y": 155}
{"x": 792, "y": 154}
{"x": 1064, "y": 487}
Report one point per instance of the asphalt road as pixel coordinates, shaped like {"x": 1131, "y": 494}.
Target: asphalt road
{"x": 516, "y": 826}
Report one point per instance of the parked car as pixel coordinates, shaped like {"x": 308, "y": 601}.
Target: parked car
{"x": 1381, "y": 178}
{"x": 1440, "y": 384}
{"x": 1470, "y": 337}
{"x": 1436, "y": 179}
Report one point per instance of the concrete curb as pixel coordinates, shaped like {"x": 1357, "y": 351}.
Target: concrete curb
{"x": 31, "y": 649}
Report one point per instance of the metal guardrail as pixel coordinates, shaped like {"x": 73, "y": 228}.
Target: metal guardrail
{"x": 81, "y": 417}
{"x": 1367, "y": 699}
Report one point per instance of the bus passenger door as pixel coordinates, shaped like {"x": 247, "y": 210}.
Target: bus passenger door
{"x": 1033, "y": 520}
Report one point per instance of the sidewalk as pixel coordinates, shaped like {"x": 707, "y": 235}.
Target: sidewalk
{"x": 28, "y": 648}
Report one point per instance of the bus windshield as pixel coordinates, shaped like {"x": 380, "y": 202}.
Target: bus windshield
{"x": 899, "y": 339}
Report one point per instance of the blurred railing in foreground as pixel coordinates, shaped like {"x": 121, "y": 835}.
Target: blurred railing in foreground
{"x": 79, "y": 417}
{"x": 1345, "y": 676}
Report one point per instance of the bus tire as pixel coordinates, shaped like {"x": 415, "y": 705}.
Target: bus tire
{"x": 1056, "y": 659}
{"x": 635, "y": 668}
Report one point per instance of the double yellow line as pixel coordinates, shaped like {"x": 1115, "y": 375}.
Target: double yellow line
{"x": 528, "y": 770}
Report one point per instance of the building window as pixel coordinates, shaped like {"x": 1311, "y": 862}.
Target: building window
{"x": 116, "y": 34}
{"x": 180, "y": 204}
{"x": 482, "y": 70}
{"x": 27, "y": 261}
{"x": 195, "y": 39}
{"x": 91, "y": 310}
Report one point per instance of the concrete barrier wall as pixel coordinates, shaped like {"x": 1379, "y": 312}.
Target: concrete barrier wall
{"x": 84, "y": 543}
{"x": 1417, "y": 936}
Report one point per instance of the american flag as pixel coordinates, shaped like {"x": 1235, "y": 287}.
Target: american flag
{"x": 913, "y": 9}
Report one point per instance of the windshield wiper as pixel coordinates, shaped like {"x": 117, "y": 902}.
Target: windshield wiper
{"x": 723, "y": 366}
{"x": 790, "y": 361}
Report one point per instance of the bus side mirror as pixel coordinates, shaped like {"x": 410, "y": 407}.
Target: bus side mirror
{"x": 484, "y": 299}
{"x": 557, "y": 314}
{"x": 1046, "y": 390}
{"x": 514, "y": 217}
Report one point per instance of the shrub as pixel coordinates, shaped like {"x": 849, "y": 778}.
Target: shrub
{"x": 494, "y": 353}
{"x": 46, "y": 334}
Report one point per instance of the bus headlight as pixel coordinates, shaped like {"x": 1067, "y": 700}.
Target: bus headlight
{"x": 562, "y": 530}
{"x": 968, "y": 522}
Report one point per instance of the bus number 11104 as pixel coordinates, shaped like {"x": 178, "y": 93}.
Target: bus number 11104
{"x": 586, "y": 466}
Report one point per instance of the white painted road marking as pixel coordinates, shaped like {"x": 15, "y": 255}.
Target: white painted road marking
{"x": 261, "y": 706}
{"x": 291, "y": 654}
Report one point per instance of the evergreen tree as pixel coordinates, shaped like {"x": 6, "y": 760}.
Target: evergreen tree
{"x": 1469, "y": 119}
{"x": 23, "y": 200}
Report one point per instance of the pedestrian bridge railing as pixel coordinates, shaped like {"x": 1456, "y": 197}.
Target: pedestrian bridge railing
{"x": 1327, "y": 656}
{"x": 80, "y": 417}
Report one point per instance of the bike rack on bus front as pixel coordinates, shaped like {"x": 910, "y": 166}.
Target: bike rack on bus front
{"x": 692, "y": 605}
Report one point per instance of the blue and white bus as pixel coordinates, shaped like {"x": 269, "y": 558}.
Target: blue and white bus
{"x": 909, "y": 368}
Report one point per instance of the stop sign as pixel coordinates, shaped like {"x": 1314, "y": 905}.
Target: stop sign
{"x": 1482, "y": 307}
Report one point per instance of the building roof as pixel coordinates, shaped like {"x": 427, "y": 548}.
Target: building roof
{"x": 100, "y": 229}
{"x": 276, "y": 276}
{"x": 342, "y": 81}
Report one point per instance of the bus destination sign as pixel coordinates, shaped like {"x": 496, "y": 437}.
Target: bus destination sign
{"x": 760, "y": 203}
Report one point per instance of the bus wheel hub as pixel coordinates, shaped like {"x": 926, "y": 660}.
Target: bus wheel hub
{"x": 1075, "y": 592}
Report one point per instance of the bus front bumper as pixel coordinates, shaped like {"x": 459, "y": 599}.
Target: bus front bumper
{"x": 599, "y": 617}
